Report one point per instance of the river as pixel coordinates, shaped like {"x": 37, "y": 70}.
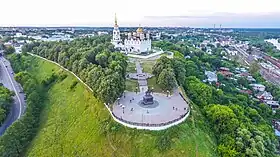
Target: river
{"x": 274, "y": 42}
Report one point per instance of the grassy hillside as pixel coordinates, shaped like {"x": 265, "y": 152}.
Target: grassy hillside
{"x": 75, "y": 123}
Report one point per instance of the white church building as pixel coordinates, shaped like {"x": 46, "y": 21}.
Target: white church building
{"x": 136, "y": 42}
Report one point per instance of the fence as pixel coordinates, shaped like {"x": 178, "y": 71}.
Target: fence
{"x": 151, "y": 125}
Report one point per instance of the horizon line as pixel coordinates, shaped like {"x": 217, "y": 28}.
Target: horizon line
{"x": 138, "y": 26}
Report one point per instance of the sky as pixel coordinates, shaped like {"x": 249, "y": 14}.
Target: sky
{"x": 188, "y": 13}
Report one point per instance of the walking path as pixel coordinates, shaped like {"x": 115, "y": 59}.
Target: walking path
{"x": 170, "y": 111}
{"x": 142, "y": 81}
{"x": 146, "y": 57}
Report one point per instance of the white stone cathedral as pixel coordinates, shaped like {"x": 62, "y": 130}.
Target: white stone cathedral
{"x": 135, "y": 42}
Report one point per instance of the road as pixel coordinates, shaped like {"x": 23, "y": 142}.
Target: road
{"x": 19, "y": 105}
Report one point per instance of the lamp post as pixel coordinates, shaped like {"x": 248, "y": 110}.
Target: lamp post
{"x": 119, "y": 101}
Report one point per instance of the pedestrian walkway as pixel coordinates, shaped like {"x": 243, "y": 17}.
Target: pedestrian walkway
{"x": 169, "y": 109}
{"x": 142, "y": 81}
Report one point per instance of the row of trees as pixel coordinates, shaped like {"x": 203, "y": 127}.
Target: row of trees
{"x": 20, "y": 134}
{"x": 92, "y": 59}
{"x": 241, "y": 125}
{"x": 5, "y": 102}
{"x": 169, "y": 71}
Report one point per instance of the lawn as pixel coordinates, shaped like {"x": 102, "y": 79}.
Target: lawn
{"x": 75, "y": 123}
{"x": 130, "y": 85}
{"x": 131, "y": 68}
{"x": 152, "y": 82}
{"x": 148, "y": 66}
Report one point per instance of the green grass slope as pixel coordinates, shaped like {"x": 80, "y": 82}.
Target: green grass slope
{"x": 75, "y": 123}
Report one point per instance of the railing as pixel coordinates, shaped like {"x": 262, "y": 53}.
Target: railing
{"x": 158, "y": 124}
{"x": 150, "y": 124}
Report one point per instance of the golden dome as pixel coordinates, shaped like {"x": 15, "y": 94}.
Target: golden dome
{"x": 139, "y": 30}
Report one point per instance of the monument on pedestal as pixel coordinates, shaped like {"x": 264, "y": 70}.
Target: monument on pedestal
{"x": 148, "y": 98}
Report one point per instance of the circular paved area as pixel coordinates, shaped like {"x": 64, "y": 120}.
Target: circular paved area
{"x": 169, "y": 108}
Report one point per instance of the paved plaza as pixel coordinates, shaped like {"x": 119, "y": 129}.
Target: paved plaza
{"x": 169, "y": 108}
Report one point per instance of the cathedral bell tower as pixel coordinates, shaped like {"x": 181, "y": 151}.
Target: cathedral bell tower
{"x": 116, "y": 32}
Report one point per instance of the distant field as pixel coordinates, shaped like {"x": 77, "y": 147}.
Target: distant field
{"x": 75, "y": 123}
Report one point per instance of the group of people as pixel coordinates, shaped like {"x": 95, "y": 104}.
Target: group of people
{"x": 175, "y": 108}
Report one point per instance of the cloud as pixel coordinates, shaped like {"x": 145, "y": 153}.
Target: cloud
{"x": 250, "y": 20}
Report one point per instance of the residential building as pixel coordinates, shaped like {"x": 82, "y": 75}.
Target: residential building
{"x": 224, "y": 69}
{"x": 272, "y": 104}
{"x": 258, "y": 87}
{"x": 264, "y": 96}
{"x": 211, "y": 76}
{"x": 226, "y": 73}
{"x": 249, "y": 92}
{"x": 251, "y": 79}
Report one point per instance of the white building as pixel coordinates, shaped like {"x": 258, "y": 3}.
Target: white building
{"x": 102, "y": 33}
{"x": 272, "y": 104}
{"x": 264, "y": 96}
{"x": 258, "y": 87}
{"x": 136, "y": 42}
{"x": 211, "y": 76}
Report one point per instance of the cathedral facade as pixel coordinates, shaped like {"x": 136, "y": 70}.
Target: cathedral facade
{"x": 135, "y": 42}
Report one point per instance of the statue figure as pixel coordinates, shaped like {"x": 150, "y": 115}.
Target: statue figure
{"x": 148, "y": 98}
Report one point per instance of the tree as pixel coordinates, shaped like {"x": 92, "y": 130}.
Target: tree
{"x": 243, "y": 81}
{"x": 223, "y": 117}
{"x": 191, "y": 69}
{"x": 111, "y": 87}
{"x": 102, "y": 59}
{"x": 162, "y": 63}
{"x": 199, "y": 92}
{"x": 166, "y": 79}
{"x": 9, "y": 50}
{"x": 179, "y": 70}
{"x": 220, "y": 77}
{"x": 227, "y": 151}
{"x": 254, "y": 68}
{"x": 2, "y": 115}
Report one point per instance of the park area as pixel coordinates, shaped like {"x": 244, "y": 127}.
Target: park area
{"x": 75, "y": 122}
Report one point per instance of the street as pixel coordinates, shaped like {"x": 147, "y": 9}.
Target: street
{"x": 8, "y": 81}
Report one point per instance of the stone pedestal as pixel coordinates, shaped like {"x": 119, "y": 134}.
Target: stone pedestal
{"x": 148, "y": 99}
